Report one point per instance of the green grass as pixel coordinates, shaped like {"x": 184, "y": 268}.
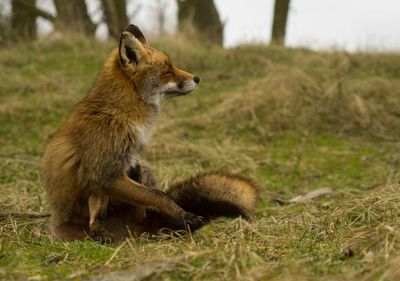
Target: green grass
{"x": 293, "y": 120}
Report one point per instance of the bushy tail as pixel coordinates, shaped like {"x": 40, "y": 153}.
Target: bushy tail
{"x": 216, "y": 194}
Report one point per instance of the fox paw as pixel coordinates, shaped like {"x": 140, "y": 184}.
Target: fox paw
{"x": 101, "y": 234}
{"x": 192, "y": 221}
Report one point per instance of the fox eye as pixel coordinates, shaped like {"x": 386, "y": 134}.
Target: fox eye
{"x": 167, "y": 72}
{"x": 167, "y": 68}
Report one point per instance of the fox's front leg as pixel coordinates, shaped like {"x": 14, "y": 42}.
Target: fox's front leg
{"x": 133, "y": 193}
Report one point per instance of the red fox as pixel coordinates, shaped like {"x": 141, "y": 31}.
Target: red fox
{"x": 92, "y": 172}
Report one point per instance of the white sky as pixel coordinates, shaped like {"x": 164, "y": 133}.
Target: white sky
{"x": 348, "y": 24}
{"x": 319, "y": 24}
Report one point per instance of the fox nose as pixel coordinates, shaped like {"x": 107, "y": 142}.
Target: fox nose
{"x": 196, "y": 79}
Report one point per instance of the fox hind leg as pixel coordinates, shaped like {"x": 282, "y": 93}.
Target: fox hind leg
{"x": 69, "y": 231}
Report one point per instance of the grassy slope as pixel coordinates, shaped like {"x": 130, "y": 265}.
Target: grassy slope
{"x": 292, "y": 119}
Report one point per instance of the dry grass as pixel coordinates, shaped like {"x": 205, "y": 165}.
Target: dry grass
{"x": 334, "y": 239}
{"x": 289, "y": 99}
{"x": 291, "y": 119}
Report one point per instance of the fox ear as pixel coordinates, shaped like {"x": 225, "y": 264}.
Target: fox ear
{"x": 132, "y": 45}
{"x": 135, "y": 31}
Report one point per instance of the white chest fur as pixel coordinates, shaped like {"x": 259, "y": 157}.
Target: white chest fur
{"x": 142, "y": 135}
{"x": 143, "y": 131}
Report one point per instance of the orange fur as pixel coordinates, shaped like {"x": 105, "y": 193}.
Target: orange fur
{"x": 105, "y": 136}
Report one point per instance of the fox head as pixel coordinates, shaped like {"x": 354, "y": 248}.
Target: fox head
{"x": 151, "y": 70}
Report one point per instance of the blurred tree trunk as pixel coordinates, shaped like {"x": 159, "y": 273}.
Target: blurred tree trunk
{"x": 279, "y": 24}
{"x": 23, "y": 20}
{"x": 204, "y": 16}
{"x": 72, "y": 16}
{"x": 115, "y": 16}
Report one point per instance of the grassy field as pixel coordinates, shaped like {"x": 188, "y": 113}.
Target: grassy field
{"x": 293, "y": 120}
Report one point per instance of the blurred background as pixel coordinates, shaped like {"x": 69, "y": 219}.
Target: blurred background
{"x": 354, "y": 25}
